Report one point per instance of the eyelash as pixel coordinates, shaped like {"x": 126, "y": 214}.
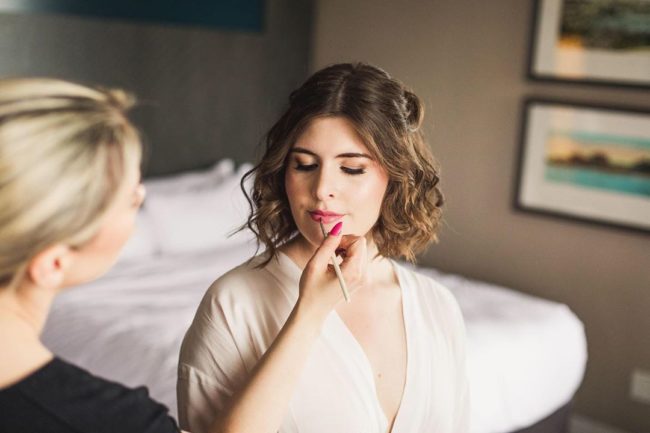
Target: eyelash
{"x": 346, "y": 170}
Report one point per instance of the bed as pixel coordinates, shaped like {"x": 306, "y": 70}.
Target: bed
{"x": 526, "y": 355}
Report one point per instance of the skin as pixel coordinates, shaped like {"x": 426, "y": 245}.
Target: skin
{"x": 24, "y": 309}
{"x": 330, "y": 168}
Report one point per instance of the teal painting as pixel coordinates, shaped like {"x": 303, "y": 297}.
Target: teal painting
{"x": 230, "y": 14}
{"x": 585, "y": 162}
{"x": 600, "y": 161}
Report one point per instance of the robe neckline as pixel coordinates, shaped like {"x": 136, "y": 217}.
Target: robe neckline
{"x": 354, "y": 346}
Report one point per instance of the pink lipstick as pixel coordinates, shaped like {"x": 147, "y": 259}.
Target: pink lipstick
{"x": 326, "y": 217}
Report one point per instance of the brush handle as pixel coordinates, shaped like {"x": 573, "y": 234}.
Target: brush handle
{"x": 337, "y": 269}
{"x": 344, "y": 288}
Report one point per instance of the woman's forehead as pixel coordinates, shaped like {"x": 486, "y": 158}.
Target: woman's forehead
{"x": 331, "y": 137}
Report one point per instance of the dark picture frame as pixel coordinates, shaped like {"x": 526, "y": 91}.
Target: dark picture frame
{"x": 597, "y": 42}
{"x": 585, "y": 162}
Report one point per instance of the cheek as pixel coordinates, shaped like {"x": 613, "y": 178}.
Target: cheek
{"x": 293, "y": 188}
{"x": 370, "y": 195}
{"x": 110, "y": 240}
{"x": 100, "y": 253}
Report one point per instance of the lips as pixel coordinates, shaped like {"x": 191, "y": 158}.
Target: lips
{"x": 326, "y": 217}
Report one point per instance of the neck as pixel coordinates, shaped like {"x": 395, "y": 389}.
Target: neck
{"x": 26, "y": 308}
{"x": 300, "y": 251}
{"x": 23, "y": 311}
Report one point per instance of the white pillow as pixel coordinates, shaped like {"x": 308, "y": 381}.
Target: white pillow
{"x": 202, "y": 219}
{"x": 142, "y": 242}
{"x": 189, "y": 180}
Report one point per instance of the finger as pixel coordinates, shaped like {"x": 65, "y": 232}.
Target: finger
{"x": 355, "y": 246}
{"x": 325, "y": 251}
{"x": 356, "y": 256}
{"x": 347, "y": 241}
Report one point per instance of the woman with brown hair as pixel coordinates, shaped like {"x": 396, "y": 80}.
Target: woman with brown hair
{"x": 262, "y": 355}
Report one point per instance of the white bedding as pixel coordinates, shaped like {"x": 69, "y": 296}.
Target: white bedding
{"x": 526, "y": 355}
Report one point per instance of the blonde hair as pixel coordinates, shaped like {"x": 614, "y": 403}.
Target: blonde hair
{"x": 64, "y": 152}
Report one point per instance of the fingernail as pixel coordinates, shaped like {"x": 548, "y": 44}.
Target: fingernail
{"x": 337, "y": 228}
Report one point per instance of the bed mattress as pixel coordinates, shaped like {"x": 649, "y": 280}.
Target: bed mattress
{"x": 526, "y": 356}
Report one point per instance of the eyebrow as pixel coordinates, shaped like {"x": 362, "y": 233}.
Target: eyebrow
{"x": 341, "y": 155}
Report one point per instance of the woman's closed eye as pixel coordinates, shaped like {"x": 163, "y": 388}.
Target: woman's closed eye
{"x": 305, "y": 167}
{"x": 346, "y": 170}
{"x": 353, "y": 171}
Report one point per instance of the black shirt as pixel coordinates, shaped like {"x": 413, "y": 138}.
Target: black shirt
{"x": 62, "y": 398}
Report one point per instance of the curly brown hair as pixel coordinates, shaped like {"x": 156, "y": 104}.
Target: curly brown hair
{"x": 388, "y": 117}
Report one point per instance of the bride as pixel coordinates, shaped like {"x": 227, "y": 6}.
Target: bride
{"x": 265, "y": 355}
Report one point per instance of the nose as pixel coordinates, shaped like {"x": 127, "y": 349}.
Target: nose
{"x": 325, "y": 186}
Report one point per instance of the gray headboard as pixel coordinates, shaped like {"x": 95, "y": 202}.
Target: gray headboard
{"x": 204, "y": 93}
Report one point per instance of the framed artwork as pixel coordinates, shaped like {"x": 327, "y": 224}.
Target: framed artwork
{"x": 591, "y": 41}
{"x": 244, "y": 15}
{"x": 585, "y": 162}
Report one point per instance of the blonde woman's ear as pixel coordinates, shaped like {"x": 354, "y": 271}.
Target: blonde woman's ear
{"x": 49, "y": 267}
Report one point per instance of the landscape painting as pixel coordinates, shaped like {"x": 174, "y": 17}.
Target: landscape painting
{"x": 609, "y": 162}
{"x": 595, "y": 41}
{"x": 585, "y": 162}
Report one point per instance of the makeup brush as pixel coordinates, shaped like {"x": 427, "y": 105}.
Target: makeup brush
{"x": 337, "y": 269}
